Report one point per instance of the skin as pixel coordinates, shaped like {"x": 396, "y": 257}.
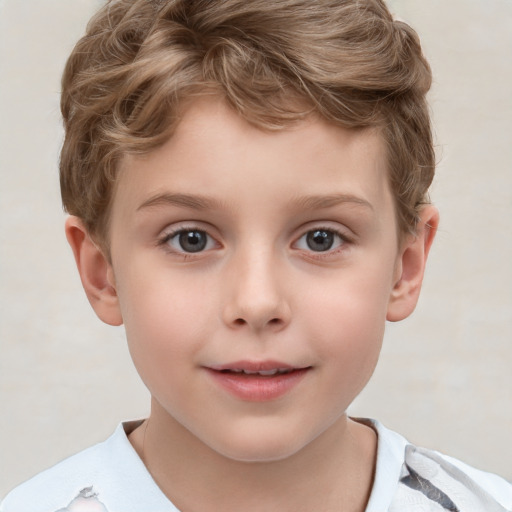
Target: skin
{"x": 257, "y": 292}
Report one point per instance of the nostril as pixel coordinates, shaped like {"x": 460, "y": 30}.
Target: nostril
{"x": 272, "y": 321}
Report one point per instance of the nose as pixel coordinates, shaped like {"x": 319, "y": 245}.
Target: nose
{"x": 255, "y": 293}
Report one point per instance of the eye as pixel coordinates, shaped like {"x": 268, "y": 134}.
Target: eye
{"x": 320, "y": 240}
{"x": 189, "y": 240}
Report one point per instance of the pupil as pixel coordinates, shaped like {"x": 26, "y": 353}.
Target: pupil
{"x": 320, "y": 240}
{"x": 192, "y": 241}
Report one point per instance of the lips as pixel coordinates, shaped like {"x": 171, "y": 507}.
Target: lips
{"x": 257, "y": 381}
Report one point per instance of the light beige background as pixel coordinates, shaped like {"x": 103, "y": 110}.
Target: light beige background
{"x": 445, "y": 377}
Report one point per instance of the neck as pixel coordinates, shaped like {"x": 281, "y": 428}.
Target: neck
{"x": 332, "y": 473}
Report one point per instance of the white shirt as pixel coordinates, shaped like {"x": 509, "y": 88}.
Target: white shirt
{"x": 110, "y": 477}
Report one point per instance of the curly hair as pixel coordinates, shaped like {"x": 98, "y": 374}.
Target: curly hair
{"x": 127, "y": 81}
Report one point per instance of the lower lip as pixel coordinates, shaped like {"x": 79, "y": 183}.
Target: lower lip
{"x": 258, "y": 388}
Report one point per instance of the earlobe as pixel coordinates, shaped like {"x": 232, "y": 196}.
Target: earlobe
{"x": 411, "y": 266}
{"x": 95, "y": 272}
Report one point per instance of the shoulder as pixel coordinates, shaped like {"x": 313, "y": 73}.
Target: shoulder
{"x": 413, "y": 478}
{"x": 108, "y": 476}
{"x": 57, "y": 486}
{"x": 493, "y": 484}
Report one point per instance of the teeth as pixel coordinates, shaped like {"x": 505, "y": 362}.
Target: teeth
{"x": 265, "y": 373}
{"x": 268, "y": 372}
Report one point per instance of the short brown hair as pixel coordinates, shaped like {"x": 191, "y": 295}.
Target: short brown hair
{"x": 275, "y": 62}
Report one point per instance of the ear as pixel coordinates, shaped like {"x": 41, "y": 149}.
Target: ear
{"x": 411, "y": 266}
{"x": 95, "y": 272}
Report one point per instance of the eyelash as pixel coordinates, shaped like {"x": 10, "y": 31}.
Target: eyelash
{"x": 343, "y": 241}
{"x": 167, "y": 237}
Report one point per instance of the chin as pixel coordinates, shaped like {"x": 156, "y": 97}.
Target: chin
{"x": 258, "y": 454}
{"x": 260, "y": 448}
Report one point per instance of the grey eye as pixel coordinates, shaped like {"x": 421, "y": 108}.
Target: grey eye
{"x": 190, "y": 240}
{"x": 320, "y": 240}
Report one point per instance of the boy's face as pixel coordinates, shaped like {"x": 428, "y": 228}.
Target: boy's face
{"x": 236, "y": 249}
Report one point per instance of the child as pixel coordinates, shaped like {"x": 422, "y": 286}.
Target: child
{"x": 247, "y": 184}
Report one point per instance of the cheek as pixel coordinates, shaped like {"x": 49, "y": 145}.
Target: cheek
{"x": 348, "y": 320}
{"x": 167, "y": 319}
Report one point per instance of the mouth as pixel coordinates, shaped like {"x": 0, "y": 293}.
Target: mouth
{"x": 261, "y": 373}
{"x": 258, "y": 382}
{"x": 261, "y": 368}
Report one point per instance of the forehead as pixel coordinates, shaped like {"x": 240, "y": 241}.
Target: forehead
{"x": 213, "y": 150}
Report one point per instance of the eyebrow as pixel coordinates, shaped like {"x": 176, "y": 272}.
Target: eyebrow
{"x": 328, "y": 201}
{"x": 194, "y": 202}
{"x": 199, "y": 202}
